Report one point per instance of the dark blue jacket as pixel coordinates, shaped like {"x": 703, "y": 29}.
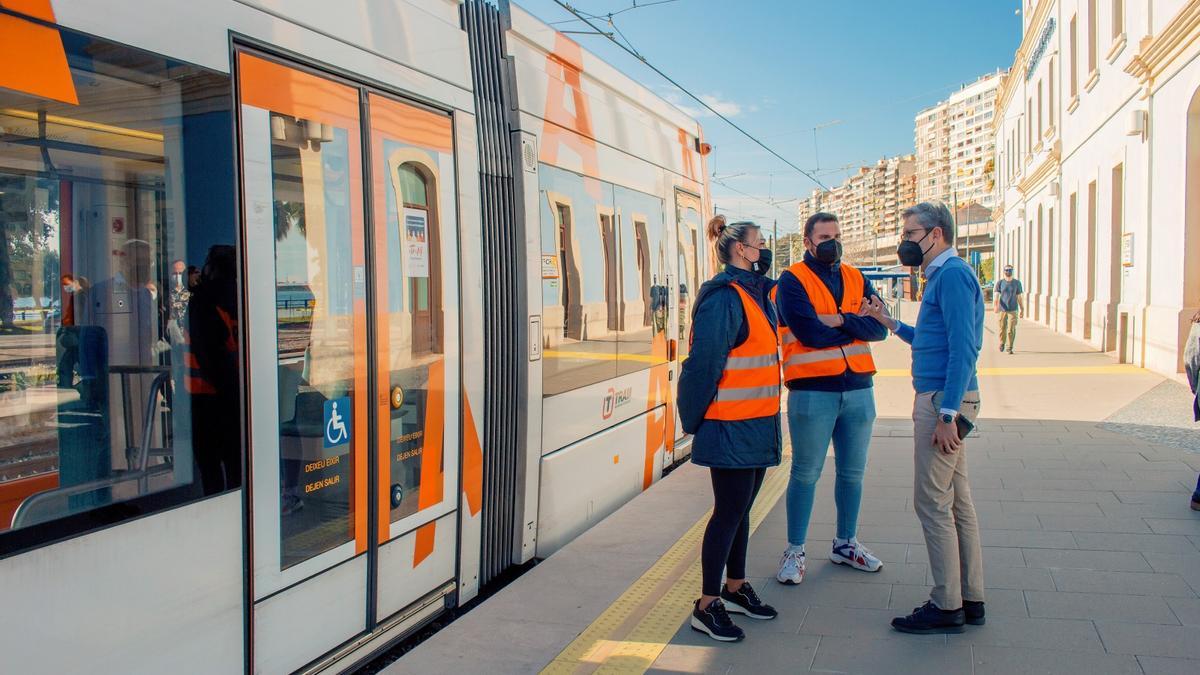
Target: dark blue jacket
{"x": 798, "y": 314}
{"x": 718, "y": 326}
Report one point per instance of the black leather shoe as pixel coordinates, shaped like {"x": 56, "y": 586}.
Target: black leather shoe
{"x": 928, "y": 620}
{"x": 974, "y": 612}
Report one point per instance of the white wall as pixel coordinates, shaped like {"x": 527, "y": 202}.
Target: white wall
{"x": 1092, "y": 137}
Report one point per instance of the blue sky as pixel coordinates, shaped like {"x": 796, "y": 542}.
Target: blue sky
{"x": 779, "y": 68}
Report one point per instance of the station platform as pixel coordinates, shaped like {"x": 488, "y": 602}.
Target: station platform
{"x": 1091, "y": 553}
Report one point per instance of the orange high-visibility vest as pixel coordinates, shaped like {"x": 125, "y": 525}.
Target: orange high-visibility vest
{"x": 749, "y": 387}
{"x": 194, "y": 380}
{"x": 800, "y": 361}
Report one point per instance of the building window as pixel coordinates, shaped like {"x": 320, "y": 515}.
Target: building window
{"x": 1093, "y": 35}
{"x": 1040, "y": 129}
{"x": 1029, "y": 125}
{"x": 1050, "y": 94}
{"x": 119, "y": 301}
{"x": 1074, "y": 73}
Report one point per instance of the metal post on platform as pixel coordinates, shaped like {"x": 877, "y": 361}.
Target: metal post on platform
{"x": 774, "y": 245}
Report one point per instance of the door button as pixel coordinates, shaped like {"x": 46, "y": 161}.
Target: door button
{"x": 397, "y": 397}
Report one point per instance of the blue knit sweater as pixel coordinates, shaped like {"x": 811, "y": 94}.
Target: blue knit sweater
{"x": 949, "y": 333}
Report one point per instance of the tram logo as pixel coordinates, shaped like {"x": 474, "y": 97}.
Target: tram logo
{"x": 615, "y": 399}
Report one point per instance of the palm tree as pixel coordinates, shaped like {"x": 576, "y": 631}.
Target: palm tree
{"x": 288, "y": 215}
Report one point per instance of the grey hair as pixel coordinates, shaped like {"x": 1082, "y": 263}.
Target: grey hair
{"x": 932, "y": 215}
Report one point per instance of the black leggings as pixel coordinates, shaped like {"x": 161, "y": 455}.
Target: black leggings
{"x": 728, "y": 531}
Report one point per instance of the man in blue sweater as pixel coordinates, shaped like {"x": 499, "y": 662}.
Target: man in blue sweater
{"x": 945, "y": 347}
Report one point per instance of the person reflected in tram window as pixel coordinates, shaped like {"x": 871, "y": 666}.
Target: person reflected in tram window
{"x": 211, "y": 365}
{"x": 193, "y": 277}
{"x": 67, "y": 335}
{"x": 84, "y": 434}
{"x": 729, "y": 399}
{"x": 658, "y": 305}
{"x": 180, "y": 293}
{"x": 126, "y": 305}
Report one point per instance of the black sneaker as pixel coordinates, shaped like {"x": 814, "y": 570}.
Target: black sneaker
{"x": 928, "y": 619}
{"x": 974, "y": 612}
{"x": 745, "y": 601}
{"x": 715, "y": 621}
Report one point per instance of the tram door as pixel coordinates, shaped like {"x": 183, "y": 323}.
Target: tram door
{"x": 689, "y": 242}
{"x": 349, "y": 222}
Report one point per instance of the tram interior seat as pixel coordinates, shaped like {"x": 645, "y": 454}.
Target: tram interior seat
{"x": 86, "y": 476}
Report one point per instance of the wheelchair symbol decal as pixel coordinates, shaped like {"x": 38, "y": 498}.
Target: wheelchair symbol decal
{"x": 337, "y": 422}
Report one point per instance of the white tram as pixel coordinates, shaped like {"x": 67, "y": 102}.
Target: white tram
{"x": 315, "y": 317}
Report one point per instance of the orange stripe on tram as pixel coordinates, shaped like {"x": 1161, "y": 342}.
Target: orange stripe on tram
{"x": 32, "y": 58}
{"x": 433, "y": 481}
{"x": 472, "y": 461}
{"x": 410, "y": 124}
{"x": 37, "y": 9}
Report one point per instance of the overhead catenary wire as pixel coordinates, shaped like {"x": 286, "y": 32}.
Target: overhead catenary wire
{"x": 629, "y": 49}
{"x": 610, "y": 15}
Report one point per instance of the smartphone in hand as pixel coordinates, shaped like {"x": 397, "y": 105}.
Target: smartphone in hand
{"x": 963, "y": 425}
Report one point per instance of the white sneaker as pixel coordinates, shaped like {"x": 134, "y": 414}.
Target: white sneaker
{"x": 855, "y": 555}
{"x": 791, "y": 568}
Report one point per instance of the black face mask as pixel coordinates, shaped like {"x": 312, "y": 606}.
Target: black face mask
{"x": 910, "y": 253}
{"x": 763, "y": 264}
{"x": 829, "y": 251}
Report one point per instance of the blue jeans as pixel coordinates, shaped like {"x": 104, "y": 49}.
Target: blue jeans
{"x": 814, "y": 419}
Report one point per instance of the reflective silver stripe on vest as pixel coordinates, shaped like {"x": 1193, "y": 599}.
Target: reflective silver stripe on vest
{"x": 788, "y": 338}
{"x": 750, "y": 362}
{"x": 834, "y": 354}
{"x": 856, "y": 350}
{"x": 748, "y": 393}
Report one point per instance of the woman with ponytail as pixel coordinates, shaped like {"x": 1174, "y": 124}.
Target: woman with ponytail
{"x": 729, "y": 400}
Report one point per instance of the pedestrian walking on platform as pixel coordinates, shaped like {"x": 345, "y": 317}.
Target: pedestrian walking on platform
{"x": 1191, "y": 364}
{"x": 1009, "y": 305}
{"x": 729, "y": 400}
{"x": 945, "y": 348}
{"x": 829, "y": 371}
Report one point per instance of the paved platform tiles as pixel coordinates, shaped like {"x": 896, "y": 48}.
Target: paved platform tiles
{"x": 1092, "y": 557}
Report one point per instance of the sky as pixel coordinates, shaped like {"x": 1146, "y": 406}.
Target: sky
{"x": 778, "y": 68}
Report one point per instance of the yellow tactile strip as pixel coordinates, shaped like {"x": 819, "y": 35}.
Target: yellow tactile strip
{"x": 629, "y": 636}
{"x": 1115, "y": 369}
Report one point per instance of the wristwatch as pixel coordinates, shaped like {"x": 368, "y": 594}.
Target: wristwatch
{"x": 946, "y": 418}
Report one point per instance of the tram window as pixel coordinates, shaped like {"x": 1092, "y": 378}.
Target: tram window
{"x": 411, "y": 149}
{"x": 119, "y": 363}
{"x": 688, "y": 223}
{"x": 580, "y": 281}
{"x": 645, "y": 294}
{"x": 606, "y": 277}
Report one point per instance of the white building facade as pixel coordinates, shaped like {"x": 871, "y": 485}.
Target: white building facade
{"x": 1097, "y": 166}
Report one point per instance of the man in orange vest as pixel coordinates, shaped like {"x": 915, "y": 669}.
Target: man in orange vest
{"x": 829, "y": 371}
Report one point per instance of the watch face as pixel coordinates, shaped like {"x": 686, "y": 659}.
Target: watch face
{"x": 947, "y": 418}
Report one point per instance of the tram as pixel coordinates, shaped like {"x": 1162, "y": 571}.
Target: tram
{"x": 316, "y": 317}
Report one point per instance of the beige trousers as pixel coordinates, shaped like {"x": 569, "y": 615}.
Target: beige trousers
{"x": 942, "y": 500}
